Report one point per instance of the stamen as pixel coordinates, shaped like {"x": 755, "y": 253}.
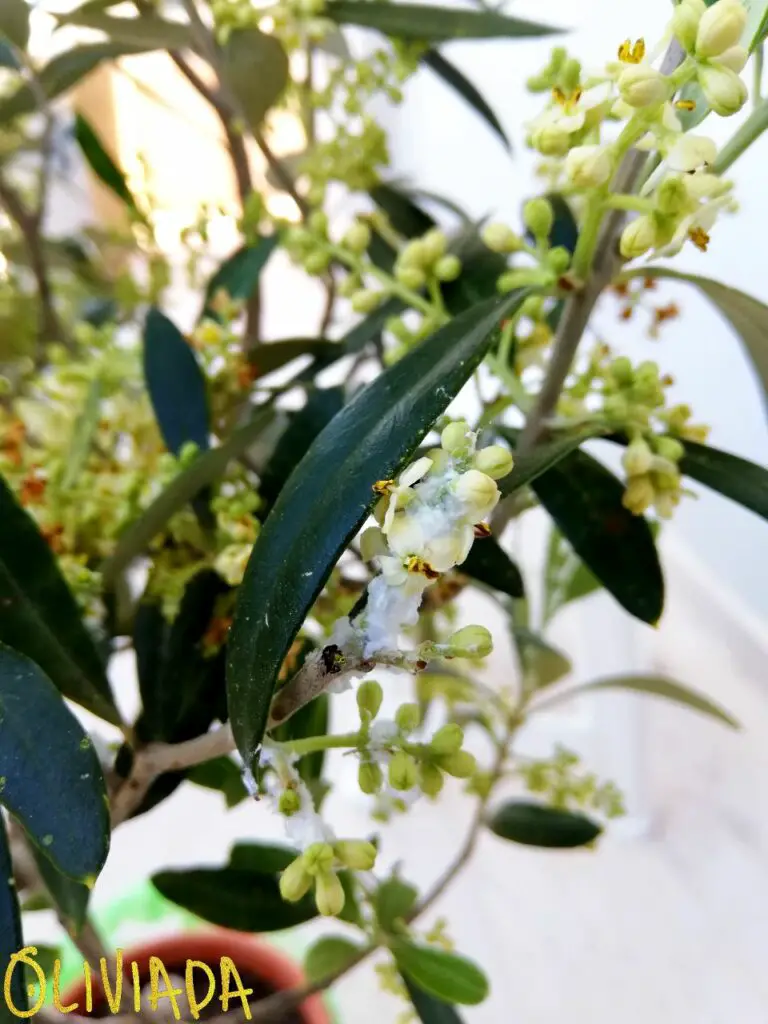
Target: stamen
{"x": 700, "y": 238}
{"x": 685, "y": 105}
{"x": 383, "y": 486}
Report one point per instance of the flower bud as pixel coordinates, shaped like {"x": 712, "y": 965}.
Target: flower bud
{"x": 318, "y": 222}
{"x": 454, "y": 437}
{"x": 671, "y": 197}
{"x": 721, "y": 26}
{"x": 512, "y": 279}
{"x": 588, "y": 166}
{"x": 358, "y": 238}
{"x": 533, "y": 307}
{"x": 471, "y": 642}
{"x": 477, "y": 492}
{"x": 356, "y": 854}
{"x": 402, "y": 771}
{"x": 558, "y": 259}
{"x": 642, "y": 86}
{"x": 538, "y": 217}
{"x": 329, "y": 894}
{"x": 685, "y": 22}
{"x": 433, "y": 245}
{"x": 570, "y": 74}
{"x": 408, "y": 717}
{"x": 430, "y": 779}
{"x": 369, "y": 777}
{"x": 318, "y": 857}
{"x": 639, "y": 495}
{"x": 460, "y": 765}
{"x": 724, "y": 90}
{"x": 295, "y": 881}
{"x": 413, "y": 255}
{"x": 366, "y": 300}
{"x": 500, "y": 238}
{"x": 448, "y": 739}
{"x": 372, "y": 544}
{"x": 411, "y": 277}
{"x": 637, "y": 458}
{"x": 637, "y": 237}
{"x": 317, "y": 262}
{"x": 669, "y": 448}
{"x": 289, "y": 802}
{"x": 448, "y": 268}
{"x": 735, "y": 58}
{"x": 551, "y": 139}
{"x": 369, "y": 698}
{"x": 495, "y": 461}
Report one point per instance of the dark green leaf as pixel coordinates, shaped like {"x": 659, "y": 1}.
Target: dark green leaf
{"x": 747, "y": 316}
{"x": 656, "y": 686}
{"x": 480, "y": 271}
{"x": 149, "y": 31}
{"x": 585, "y": 501}
{"x": 7, "y": 56}
{"x": 273, "y": 355}
{"x": 261, "y": 858}
{"x": 424, "y": 22}
{"x": 536, "y": 825}
{"x": 393, "y": 901}
{"x": 38, "y": 613}
{"x": 14, "y": 22}
{"x": 176, "y": 384}
{"x": 70, "y": 897}
{"x": 741, "y": 481}
{"x": 451, "y": 75}
{"x": 83, "y": 434}
{"x": 223, "y": 775}
{"x": 329, "y": 955}
{"x": 545, "y": 455}
{"x": 488, "y": 563}
{"x": 406, "y": 217}
{"x": 247, "y": 901}
{"x": 429, "y": 1009}
{"x": 44, "y": 751}
{"x": 256, "y": 67}
{"x": 11, "y": 939}
{"x": 446, "y": 976}
{"x": 326, "y": 500}
{"x": 205, "y": 469}
{"x": 239, "y": 274}
{"x": 101, "y": 163}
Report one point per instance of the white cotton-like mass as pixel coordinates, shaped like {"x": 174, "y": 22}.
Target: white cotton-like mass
{"x": 305, "y": 826}
{"x": 389, "y": 610}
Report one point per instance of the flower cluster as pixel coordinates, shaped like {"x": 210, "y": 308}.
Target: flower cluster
{"x": 564, "y": 785}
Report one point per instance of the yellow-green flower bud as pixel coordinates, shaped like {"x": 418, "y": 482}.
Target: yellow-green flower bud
{"x": 399, "y": 329}
{"x": 538, "y": 217}
{"x": 478, "y": 493}
{"x": 671, "y": 197}
{"x": 448, "y": 739}
{"x": 369, "y": 777}
{"x": 295, "y": 881}
{"x": 373, "y": 544}
{"x": 721, "y": 26}
{"x": 471, "y": 642}
{"x": 317, "y": 262}
{"x": 369, "y": 698}
{"x": 433, "y": 245}
{"x": 558, "y": 259}
{"x": 639, "y": 495}
{"x": 430, "y": 779}
{"x": 356, "y": 854}
{"x": 642, "y": 86}
{"x": 495, "y": 461}
{"x": 724, "y": 90}
{"x": 533, "y": 307}
{"x": 735, "y": 58}
{"x": 318, "y": 222}
{"x": 669, "y": 448}
{"x": 402, "y": 771}
{"x": 685, "y": 22}
{"x": 588, "y": 166}
{"x": 329, "y": 894}
{"x": 637, "y": 458}
{"x": 454, "y": 436}
{"x": 289, "y": 802}
{"x": 350, "y": 285}
{"x": 318, "y": 857}
{"x": 358, "y": 238}
{"x": 551, "y": 139}
{"x": 638, "y": 237}
{"x": 411, "y": 277}
{"x": 408, "y": 717}
{"x": 367, "y": 300}
{"x": 500, "y": 238}
{"x": 460, "y": 765}
{"x": 448, "y": 268}
{"x": 413, "y": 255}
{"x": 621, "y": 370}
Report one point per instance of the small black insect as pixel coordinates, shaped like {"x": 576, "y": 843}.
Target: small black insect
{"x": 332, "y": 658}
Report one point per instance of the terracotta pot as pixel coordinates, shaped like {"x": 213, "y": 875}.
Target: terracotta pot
{"x": 251, "y": 956}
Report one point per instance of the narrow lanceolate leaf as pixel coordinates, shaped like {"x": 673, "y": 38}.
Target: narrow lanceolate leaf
{"x": 274, "y": 355}
{"x": 51, "y": 777}
{"x": 429, "y": 1009}
{"x": 149, "y": 31}
{"x": 406, "y": 217}
{"x": 443, "y": 975}
{"x": 176, "y": 384}
{"x": 83, "y": 434}
{"x": 238, "y": 898}
{"x": 532, "y": 824}
{"x": 451, "y": 75}
{"x": 656, "y": 686}
{"x": 239, "y": 275}
{"x": 11, "y": 939}
{"x": 69, "y": 896}
{"x": 328, "y": 955}
{"x": 532, "y": 464}
{"x": 424, "y": 22}
{"x": 747, "y": 315}
{"x": 585, "y": 501}
{"x": 205, "y": 469}
{"x": 39, "y": 615}
{"x": 489, "y": 564}
{"x": 326, "y": 500}
{"x": 101, "y": 163}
